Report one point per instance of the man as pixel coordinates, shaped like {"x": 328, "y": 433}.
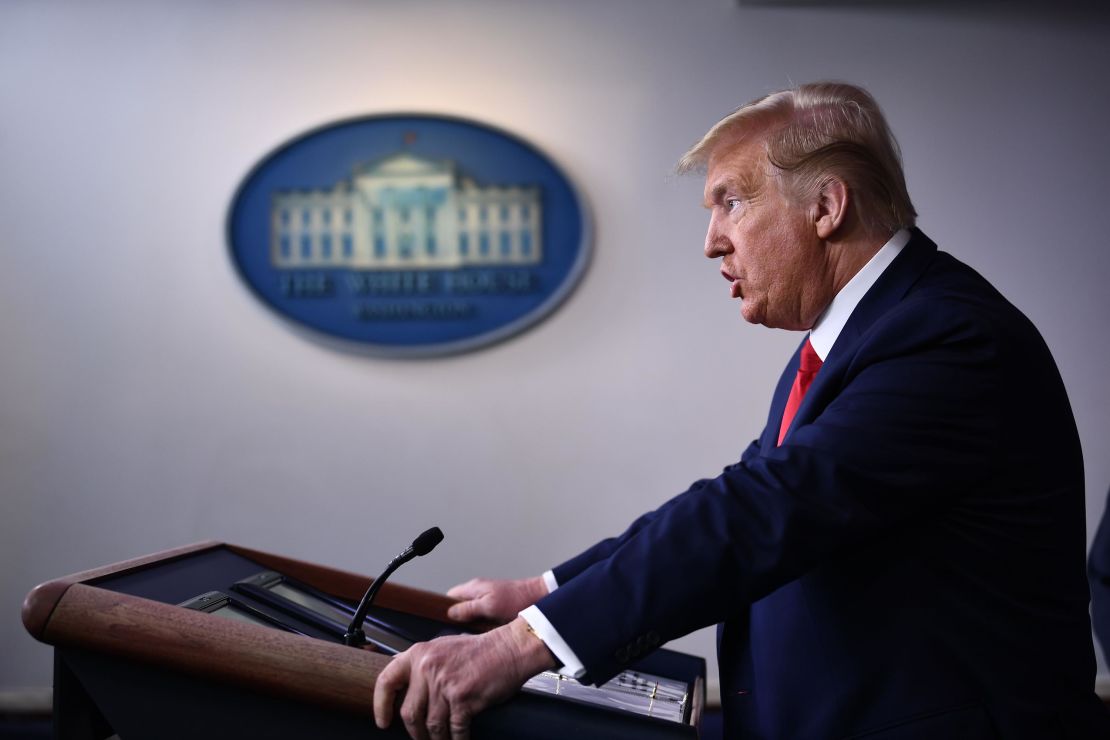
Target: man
{"x": 900, "y": 554}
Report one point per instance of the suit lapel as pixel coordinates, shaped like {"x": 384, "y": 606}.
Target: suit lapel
{"x": 888, "y": 290}
{"x": 770, "y": 438}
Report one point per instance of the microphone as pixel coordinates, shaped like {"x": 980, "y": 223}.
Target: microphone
{"x": 421, "y": 546}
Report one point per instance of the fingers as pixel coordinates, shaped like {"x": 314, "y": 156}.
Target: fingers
{"x": 432, "y": 717}
{"x": 465, "y": 611}
{"x": 469, "y": 590}
{"x": 467, "y": 593}
{"x": 446, "y": 681}
{"x": 414, "y": 709}
{"x": 460, "y": 725}
{"x": 428, "y": 711}
{"x": 392, "y": 679}
{"x": 438, "y": 722}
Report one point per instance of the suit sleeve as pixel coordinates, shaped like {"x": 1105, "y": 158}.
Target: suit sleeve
{"x": 602, "y": 550}
{"x": 905, "y": 427}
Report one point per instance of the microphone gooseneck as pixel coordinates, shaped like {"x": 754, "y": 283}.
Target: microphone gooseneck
{"x": 421, "y": 546}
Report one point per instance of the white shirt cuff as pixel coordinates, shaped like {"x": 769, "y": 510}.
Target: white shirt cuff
{"x": 549, "y": 581}
{"x": 572, "y": 666}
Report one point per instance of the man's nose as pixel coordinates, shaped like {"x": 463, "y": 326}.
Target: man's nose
{"x": 717, "y": 243}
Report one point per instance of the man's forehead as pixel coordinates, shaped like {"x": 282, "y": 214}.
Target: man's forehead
{"x": 739, "y": 160}
{"x": 736, "y": 147}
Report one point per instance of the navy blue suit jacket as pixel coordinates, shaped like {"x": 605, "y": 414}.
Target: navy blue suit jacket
{"x": 908, "y": 564}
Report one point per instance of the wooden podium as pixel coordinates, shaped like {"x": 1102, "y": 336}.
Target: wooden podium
{"x": 128, "y": 661}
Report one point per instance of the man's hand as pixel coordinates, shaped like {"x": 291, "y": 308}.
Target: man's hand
{"x": 447, "y": 681}
{"x": 499, "y": 601}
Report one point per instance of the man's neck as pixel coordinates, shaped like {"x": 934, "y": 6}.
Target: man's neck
{"x": 849, "y": 256}
{"x": 829, "y": 324}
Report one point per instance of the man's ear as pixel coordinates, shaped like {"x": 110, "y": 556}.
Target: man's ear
{"x": 832, "y": 206}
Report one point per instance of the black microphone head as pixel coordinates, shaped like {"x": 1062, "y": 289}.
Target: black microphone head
{"x": 427, "y": 541}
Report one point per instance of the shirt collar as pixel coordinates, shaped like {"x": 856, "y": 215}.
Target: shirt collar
{"x": 832, "y": 320}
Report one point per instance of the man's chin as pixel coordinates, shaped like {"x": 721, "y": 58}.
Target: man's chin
{"x": 750, "y": 313}
{"x": 754, "y": 315}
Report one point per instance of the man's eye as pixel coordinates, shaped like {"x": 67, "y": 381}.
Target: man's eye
{"x": 732, "y": 204}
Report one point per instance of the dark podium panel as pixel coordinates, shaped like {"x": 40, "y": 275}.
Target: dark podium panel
{"x": 129, "y": 661}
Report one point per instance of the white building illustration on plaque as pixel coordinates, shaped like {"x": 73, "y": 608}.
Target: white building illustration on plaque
{"x": 404, "y": 212}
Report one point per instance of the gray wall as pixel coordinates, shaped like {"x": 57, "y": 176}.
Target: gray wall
{"x": 147, "y": 400}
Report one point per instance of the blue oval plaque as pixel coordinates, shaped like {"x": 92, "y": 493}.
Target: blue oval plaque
{"x": 409, "y": 234}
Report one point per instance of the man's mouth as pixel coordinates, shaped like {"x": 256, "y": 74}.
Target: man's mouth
{"x": 735, "y": 290}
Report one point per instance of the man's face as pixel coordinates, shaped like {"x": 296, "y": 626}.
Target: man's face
{"x": 769, "y": 248}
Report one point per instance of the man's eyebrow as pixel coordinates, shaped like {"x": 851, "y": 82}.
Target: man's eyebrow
{"x": 718, "y": 192}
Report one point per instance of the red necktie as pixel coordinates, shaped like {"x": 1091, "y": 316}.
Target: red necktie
{"x": 808, "y": 366}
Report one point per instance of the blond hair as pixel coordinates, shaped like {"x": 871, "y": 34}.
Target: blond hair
{"x": 816, "y": 130}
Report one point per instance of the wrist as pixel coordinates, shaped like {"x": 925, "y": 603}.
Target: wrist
{"x": 533, "y": 651}
{"x": 537, "y": 588}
